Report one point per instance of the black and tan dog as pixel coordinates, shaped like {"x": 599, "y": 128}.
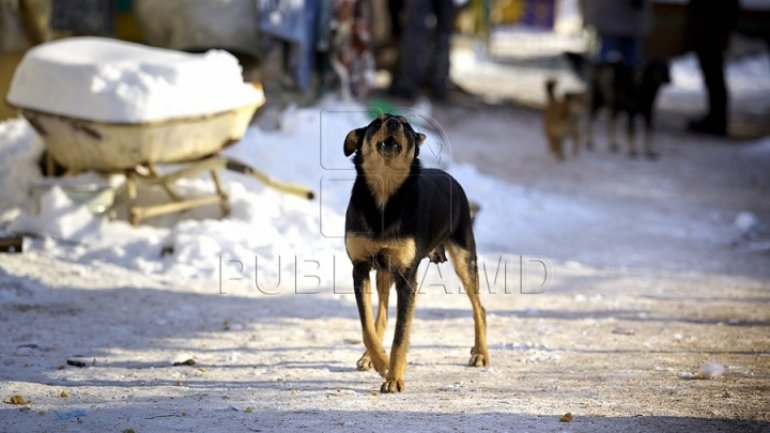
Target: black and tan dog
{"x": 400, "y": 213}
{"x": 619, "y": 89}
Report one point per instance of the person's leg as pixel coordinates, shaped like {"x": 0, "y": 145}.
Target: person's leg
{"x": 712, "y": 65}
{"x": 414, "y": 50}
{"x": 439, "y": 74}
{"x": 713, "y": 22}
{"x": 394, "y": 8}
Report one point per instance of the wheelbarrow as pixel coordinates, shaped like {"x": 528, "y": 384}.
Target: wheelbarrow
{"x": 135, "y": 148}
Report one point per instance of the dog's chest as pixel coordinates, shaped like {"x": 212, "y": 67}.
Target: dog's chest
{"x": 393, "y": 253}
{"x": 365, "y": 215}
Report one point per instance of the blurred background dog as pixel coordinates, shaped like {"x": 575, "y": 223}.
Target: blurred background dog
{"x": 616, "y": 87}
{"x": 561, "y": 119}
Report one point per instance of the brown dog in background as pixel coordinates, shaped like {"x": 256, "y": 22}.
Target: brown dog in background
{"x": 561, "y": 119}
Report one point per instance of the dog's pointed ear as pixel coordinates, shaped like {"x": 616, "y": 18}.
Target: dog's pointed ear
{"x": 419, "y": 138}
{"x": 353, "y": 141}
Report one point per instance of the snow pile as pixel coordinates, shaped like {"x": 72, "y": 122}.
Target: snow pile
{"x": 59, "y": 217}
{"x": 121, "y": 82}
{"x": 20, "y": 149}
{"x": 746, "y": 222}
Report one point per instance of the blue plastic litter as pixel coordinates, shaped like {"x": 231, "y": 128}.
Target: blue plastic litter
{"x": 70, "y": 414}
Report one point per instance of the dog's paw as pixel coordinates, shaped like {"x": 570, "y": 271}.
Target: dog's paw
{"x": 633, "y": 153}
{"x": 364, "y": 363}
{"x": 392, "y": 386}
{"x": 478, "y": 358}
{"x": 651, "y": 155}
{"x": 614, "y": 148}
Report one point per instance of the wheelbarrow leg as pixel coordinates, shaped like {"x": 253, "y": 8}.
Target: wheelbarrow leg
{"x": 179, "y": 204}
{"x": 133, "y": 212}
{"x": 166, "y": 186}
{"x": 224, "y": 200}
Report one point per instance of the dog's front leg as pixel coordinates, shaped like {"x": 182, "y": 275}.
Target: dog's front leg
{"x": 406, "y": 289}
{"x": 384, "y": 282}
{"x": 363, "y": 290}
{"x": 465, "y": 264}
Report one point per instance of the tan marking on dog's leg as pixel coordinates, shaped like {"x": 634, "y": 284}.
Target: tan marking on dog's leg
{"x": 359, "y": 248}
{"x": 406, "y": 289}
{"x": 401, "y": 252}
{"x": 554, "y": 144}
{"x": 465, "y": 265}
{"x": 630, "y": 144}
{"x": 384, "y": 282}
{"x": 362, "y": 288}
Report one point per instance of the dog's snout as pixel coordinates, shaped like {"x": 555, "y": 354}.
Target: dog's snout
{"x": 392, "y": 123}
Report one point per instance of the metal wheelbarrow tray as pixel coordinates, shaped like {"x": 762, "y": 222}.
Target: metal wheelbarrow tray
{"x": 82, "y": 144}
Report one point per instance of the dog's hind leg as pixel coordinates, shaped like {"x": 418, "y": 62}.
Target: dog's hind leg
{"x": 362, "y": 288}
{"x": 464, "y": 262}
{"x": 648, "y": 150}
{"x": 575, "y": 133}
{"x": 554, "y": 145}
{"x": 406, "y": 289}
{"x": 631, "y": 134}
{"x": 384, "y": 281}
{"x": 612, "y": 131}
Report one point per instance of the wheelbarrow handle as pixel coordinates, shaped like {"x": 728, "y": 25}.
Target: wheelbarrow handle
{"x": 287, "y": 188}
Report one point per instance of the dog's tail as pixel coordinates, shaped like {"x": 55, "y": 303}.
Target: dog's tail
{"x": 550, "y": 89}
{"x": 578, "y": 63}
